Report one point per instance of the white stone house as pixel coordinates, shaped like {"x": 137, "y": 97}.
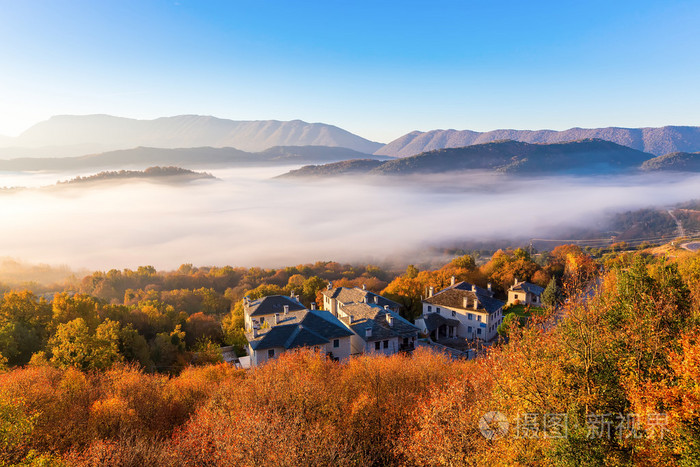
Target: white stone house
{"x": 461, "y": 310}
{"x": 374, "y": 320}
{"x": 270, "y": 332}
{"x": 334, "y": 298}
{"x": 525, "y": 293}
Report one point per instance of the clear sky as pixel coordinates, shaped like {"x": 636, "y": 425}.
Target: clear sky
{"x": 378, "y": 69}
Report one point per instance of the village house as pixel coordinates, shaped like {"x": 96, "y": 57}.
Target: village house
{"x": 278, "y": 323}
{"x": 374, "y": 320}
{"x": 335, "y": 298}
{"x": 264, "y": 309}
{"x": 525, "y": 293}
{"x": 461, "y": 310}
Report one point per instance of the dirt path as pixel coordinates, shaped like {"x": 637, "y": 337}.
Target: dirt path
{"x": 681, "y": 230}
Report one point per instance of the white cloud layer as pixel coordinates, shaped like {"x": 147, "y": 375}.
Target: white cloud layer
{"x": 247, "y": 219}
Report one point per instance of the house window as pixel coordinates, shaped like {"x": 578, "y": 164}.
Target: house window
{"x": 478, "y": 318}
{"x": 454, "y": 313}
{"x": 271, "y": 353}
{"x": 478, "y": 331}
{"x": 469, "y": 329}
{"x": 430, "y": 308}
{"x": 515, "y": 296}
{"x": 336, "y": 343}
{"x": 470, "y": 316}
{"x": 437, "y": 309}
{"x": 377, "y": 345}
{"x": 386, "y": 344}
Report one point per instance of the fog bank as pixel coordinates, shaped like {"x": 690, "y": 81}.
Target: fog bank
{"x": 248, "y": 219}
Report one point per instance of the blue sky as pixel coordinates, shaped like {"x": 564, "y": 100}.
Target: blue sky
{"x": 379, "y": 69}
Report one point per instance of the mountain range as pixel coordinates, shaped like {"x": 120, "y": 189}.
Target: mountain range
{"x": 77, "y": 135}
{"x": 190, "y": 157}
{"x": 657, "y": 141}
{"x": 585, "y": 157}
{"x": 98, "y": 133}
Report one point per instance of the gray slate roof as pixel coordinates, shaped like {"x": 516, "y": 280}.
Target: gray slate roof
{"x": 453, "y": 297}
{"x": 366, "y": 315}
{"x": 527, "y": 287}
{"x": 303, "y": 328}
{"x": 435, "y": 320}
{"x": 273, "y": 304}
{"x": 347, "y": 295}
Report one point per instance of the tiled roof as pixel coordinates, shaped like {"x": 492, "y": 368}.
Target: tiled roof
{"x": 527, "y": 287}
{"x": 347, "y": 295}
{"x": 272, "y": 304}
{"x": 373, "y": 316}
{"x": 435, "y": 320}
{"x": 299, "y": 329}
{"x": 453, "y": 297}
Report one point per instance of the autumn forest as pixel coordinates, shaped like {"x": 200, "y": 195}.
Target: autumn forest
{"x": 124, "y": 368}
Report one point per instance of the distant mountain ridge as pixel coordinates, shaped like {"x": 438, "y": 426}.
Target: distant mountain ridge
{"x": 191, "y": 157}
{"x": 657, "y": 141}
{"x": 151, "y": 173}
{"x": 585, "y": 157}
{"x": 165, "y": 175}
{"x": 105, "y": 132}
{"x": 677, "y": 161}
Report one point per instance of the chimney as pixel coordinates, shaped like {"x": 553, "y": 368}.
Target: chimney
{"x": 473, "y": 288}
{"x": 255, "y": 332}
{"x": 431, "y": 291}
{"x": 376, "y": 299}
{"x": 286, "y": 310}
{"x": 313, "y": 305}
{"x": 452, "y": 280}
{"x": 275, "y": 319}
{"x": 488, "y": 286}
{"x": 364, "y": 287}
{"x": 368, "y": 332}
{"x": 390, "y": 320}
{"x": 386, "y": 307}
{"x": 516, "y": 281}
{"x": 476, "y": 303}
{"x": 465, "y": 302}
{"x": 365, "y": 300}
{"x": 350, "y": 318}
{"x": 329, "y": 286}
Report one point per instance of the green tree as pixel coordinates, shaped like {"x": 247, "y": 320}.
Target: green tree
{"x": 411, "y": 272}
{"x": 311, "y": 287}
{"x": 168, "y": 350}
{"x": 23, "y": 326}
{"x": 509, "y": 320}
{"x": 74, "y": 345}
{"x": 66, "y": 308}
{"x": 265, "y": 290}
{"x": 551, "y": 294}
{"x": 464, "y": 262}
{"x": 134, "y": 347}
{"x": 233, "y": 326}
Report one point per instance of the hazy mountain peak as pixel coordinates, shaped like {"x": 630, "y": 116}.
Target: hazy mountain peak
{"x": 183, "y": 131}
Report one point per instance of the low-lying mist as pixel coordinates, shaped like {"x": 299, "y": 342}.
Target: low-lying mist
{"x": 248, "y": 219}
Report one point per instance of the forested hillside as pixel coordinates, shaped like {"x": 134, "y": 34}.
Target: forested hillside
{"x": 122, "y": 371}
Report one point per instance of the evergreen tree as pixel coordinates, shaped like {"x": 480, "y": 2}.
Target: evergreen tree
{"x": 550, "y": 296}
